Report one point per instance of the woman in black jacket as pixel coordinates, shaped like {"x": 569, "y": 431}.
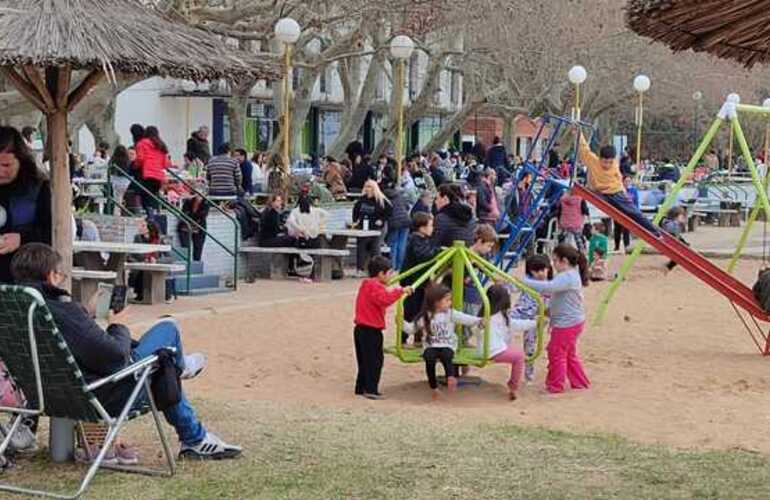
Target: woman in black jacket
{"x": 454, "y": 218}
{"x": 370, "y": 212}
{"x": 271, "y": 233}
{"x": 25, "y": 200}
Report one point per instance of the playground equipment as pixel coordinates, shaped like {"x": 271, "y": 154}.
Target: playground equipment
{"x": 544, "y": 192}
{"x": 739, "y": 295}
{"x": 462, "y": 263}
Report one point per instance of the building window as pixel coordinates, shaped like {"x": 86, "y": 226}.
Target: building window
{"x": 454, "y": 89}
{"x": 322, "y": 86}
{"x": 296, "y": 75}
{"x": 413, "y": 80}
{"x": 328, "y": 129}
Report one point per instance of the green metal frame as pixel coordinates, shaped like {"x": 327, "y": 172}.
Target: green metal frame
{"x": 462, "y": 260}
{"x": 236, "y": 225}
{"x": 760, "y": 185}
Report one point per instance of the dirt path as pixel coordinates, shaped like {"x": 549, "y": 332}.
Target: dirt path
{"x": 671, "y": 364}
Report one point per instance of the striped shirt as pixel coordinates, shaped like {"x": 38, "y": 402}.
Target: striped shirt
{"x": 223, "y": 175}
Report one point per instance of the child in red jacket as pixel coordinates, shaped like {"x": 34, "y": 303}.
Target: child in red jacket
{"x": 372, "y": 301}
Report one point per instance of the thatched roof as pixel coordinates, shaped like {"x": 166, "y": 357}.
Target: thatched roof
{"x": 124, "y": 36}
{"x": 729, "y": 29}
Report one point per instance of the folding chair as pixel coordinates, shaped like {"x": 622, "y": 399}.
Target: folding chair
{"x": 43, "y": 367}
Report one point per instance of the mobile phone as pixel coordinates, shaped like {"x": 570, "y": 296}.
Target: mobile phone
{"x": 119, "y": 298}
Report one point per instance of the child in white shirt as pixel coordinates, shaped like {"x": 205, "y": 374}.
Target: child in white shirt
{"x": 501, "y": 329}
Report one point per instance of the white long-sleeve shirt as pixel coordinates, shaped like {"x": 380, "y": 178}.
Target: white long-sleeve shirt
{"x": 501, "y": 333}
{"x": 442, "y": 328}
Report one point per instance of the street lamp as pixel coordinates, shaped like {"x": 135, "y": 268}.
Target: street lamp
{"x": 696, "y": 96}
{"x": 287, "y": 31}
{"x": 401, "y": 48}
{"x": 641, "y": 85}
{"x": 577, "y": 75}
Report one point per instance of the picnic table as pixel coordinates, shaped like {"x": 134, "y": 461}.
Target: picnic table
{"x": 337, "y": 239}
{"x": 119, "y": 252}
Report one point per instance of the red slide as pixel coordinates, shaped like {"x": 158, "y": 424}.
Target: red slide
{"x": 718, "y": 279}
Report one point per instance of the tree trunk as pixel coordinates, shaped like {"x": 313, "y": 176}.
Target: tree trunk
{"x": 509, "y": 130}
{"x": 354, "y": 120}
{"x": 236, "y": 115}
{"x": 61, "y": 204}
{"x": 302, "y": 99}
{"x": 102, "y": 124}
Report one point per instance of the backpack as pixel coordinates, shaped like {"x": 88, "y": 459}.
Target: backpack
{"x": 761, "y": 289}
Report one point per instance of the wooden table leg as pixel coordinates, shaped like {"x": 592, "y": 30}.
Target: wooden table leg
{"x": 322, "y": 268}
{"x": 155, "y": 290}
{"x": 117, "y": 263}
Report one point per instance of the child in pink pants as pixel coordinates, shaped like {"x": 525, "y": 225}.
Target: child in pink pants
{"x": 567, "y": 318}
{"x": 501, "y": 328}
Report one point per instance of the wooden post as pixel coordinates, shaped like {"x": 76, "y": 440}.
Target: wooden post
{"x": 61, "y": 204}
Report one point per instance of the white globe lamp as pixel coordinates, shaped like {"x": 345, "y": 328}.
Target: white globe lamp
{"x": 642, "y": 83}
{"x": 401, "y": 47}
{"x": 577, "y": 74}
{"x": 287, "y": 30}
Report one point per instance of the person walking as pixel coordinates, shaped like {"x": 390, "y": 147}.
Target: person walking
{"x": 223, "y": 173}
{"x": 152, "y": 161}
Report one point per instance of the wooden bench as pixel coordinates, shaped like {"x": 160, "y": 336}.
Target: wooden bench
{"x": 85, "y": 283}
{"x": 154, "y": 280}
{"x": 279, "y": 259}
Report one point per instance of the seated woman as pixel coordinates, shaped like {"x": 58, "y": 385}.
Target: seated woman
{"x": 271, "y": 231}
{"x": 306, "y": 222}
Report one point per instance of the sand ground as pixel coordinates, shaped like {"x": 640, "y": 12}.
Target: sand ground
{"x": 671, "y": 364}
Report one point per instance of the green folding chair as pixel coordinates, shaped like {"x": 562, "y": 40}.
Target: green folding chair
{"x": 42, "y": 365}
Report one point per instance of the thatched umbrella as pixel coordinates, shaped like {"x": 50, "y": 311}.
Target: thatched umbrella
{"x": 44, "y": 41}
{"x": 729, "y": 29}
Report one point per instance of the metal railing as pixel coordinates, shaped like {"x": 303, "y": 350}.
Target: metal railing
{"x": 186, "y": 256}
{"x": 234, "y": 220}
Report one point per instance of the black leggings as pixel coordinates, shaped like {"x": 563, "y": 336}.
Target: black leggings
{"x": 443, "y": 354}
{"x": 366, "y": 249}
{"x": 621, "y": 233}
{"x": 150, "y": 203}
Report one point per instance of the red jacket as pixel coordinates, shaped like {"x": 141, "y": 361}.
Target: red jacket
{"x": 372, "y": 301}
{"x": 152, "y": 162}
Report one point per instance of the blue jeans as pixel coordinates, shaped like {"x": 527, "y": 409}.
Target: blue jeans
{"x": 622, "y": 202}
{"x": 165, "y": 333}
{"x": 397, "y": 239}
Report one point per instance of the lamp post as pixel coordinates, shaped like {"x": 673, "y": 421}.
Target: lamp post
{"x": 401, "y": 48}
{"x": 641, "y": 85}
{"x": 577, "y": 75}
{"x": 287, "y": 31}
{"x": 696, "y": 97}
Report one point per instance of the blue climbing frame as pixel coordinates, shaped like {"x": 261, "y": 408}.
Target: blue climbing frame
{"x": 545, "y": 191}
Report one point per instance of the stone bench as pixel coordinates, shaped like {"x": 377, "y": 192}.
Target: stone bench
{"x": 85, "y": 283}
{"x": 154, "y": 280}
{"x": 275, "y": 265}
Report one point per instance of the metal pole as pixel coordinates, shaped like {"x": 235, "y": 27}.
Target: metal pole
{"x": 458, "y": 280}
{"x": 400, "y": 106}
{"x": 639, "y": 132}
{"x": 286, "y": 107}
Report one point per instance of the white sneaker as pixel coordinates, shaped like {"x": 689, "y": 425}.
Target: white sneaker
{"x": 211, "y": 448}
{"x": 194, "y": 364}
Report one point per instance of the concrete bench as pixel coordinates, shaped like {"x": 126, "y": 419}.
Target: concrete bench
{"x": 85, "y": 283}
{"x": 278, "y": 259}
{"x": 154, "y": 280}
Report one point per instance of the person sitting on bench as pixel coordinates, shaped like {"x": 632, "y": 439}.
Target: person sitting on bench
{"x": 605, "y": 179}
{"x": 100, "y": 353}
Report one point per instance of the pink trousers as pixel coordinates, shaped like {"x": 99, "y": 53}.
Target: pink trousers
{"x": 563, "y": 360}
{"x": 515, "y": 358}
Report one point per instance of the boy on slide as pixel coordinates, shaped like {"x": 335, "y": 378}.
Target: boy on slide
{"x": 605, "y": 179}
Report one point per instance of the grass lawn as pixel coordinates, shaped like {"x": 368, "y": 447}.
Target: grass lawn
{"x": 300, "y": 452}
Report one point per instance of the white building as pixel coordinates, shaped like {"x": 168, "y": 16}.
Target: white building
{"x": 177, "y": 108}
